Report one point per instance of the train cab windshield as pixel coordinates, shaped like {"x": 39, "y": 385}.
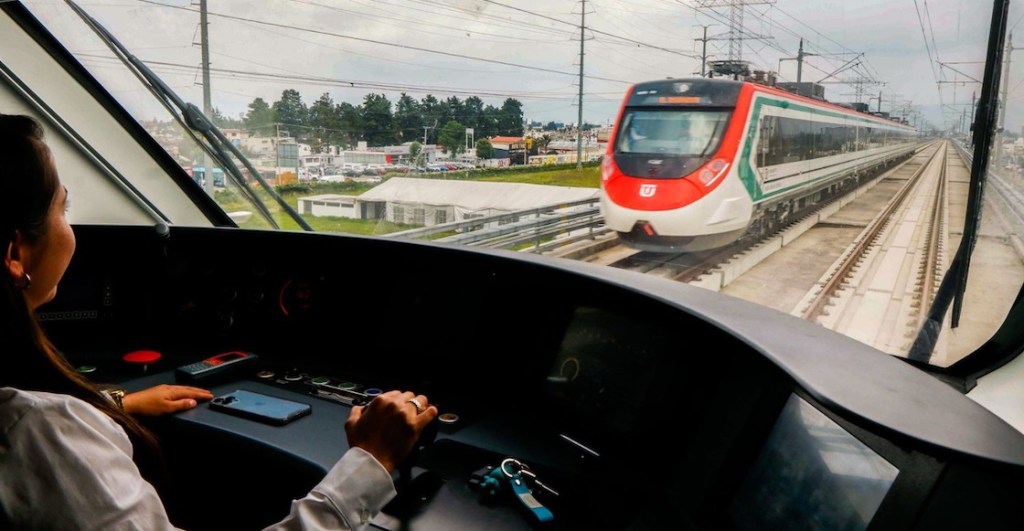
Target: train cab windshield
{"x": 668, "y": 143}
{"x": 679, "y": 133}
{"x": 800, "y": 243}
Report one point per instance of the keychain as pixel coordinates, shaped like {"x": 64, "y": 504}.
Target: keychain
{"x": 517, "y": 472}
{"x": 520, "y": 479}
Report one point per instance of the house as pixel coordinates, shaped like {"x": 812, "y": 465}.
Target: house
{"x": 504, "y": 145}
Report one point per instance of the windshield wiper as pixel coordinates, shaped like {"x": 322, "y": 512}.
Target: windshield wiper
{"x": 953, "y": 287}
{"x": 192, "y": 118}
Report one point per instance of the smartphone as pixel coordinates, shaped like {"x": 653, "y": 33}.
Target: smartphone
{"x": 260, "y": 407}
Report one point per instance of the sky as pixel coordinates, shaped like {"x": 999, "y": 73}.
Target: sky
{"x": 921, "y": 55}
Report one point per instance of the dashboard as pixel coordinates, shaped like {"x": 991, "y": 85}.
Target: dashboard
{"x": 638, "y": 402}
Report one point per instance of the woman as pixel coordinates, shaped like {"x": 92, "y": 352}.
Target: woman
{"x": 66, "y": 450}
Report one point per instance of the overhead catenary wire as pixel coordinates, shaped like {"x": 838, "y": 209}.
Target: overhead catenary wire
{"x": 593, "y": 30}
{"x": 381, "y": 43}
{"x": 345, "y": 83}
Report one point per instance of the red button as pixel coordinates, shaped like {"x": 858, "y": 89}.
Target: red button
{"x": 144, "y": 357}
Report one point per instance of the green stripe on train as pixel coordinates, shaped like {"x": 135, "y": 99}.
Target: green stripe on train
{"x": 747, "y": 173}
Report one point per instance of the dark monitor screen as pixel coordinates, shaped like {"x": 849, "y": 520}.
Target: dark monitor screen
{"x": 812, "y": 474}
{"x": 604, "y": 369}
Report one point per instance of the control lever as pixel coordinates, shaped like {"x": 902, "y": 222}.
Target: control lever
{"x": 427, "y": 437}
{"x": 414, "y": 489}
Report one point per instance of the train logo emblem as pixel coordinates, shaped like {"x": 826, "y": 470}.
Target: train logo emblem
{"x": 647, "y": 190}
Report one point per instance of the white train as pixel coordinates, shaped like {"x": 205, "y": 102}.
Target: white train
{"x": 695, "y": 164}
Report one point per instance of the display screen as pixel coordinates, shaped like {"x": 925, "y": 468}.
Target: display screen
{"x": 812, "y": 474}
{"x": 605, "y": 367}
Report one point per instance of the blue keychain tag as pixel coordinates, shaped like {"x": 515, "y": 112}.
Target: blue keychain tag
{"x": 511, "y": 468}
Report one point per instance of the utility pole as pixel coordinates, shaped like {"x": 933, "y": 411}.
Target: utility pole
{"x": 1001, "y": 123}
{"x": 974, "y": 102}
{"x": 579, "y": 120}
{"x": 423, "y": 151}
{"x": 799, "y": 61}
{"x": 207, "y": 103}
{"x": 704, "y": 52}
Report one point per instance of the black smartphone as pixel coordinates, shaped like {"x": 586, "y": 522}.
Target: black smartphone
{"x": 261, "y": 407}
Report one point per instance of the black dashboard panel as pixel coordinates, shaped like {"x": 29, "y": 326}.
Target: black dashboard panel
{"x": 644, "y": 403}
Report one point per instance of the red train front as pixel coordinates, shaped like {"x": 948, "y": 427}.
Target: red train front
{"x": 668, "y": 181}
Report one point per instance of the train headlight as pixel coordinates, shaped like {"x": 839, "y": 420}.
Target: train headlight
{"x": 712, "y": 171}
{"x": 607, "y": 168}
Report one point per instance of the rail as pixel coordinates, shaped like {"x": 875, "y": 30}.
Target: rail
{"x": 852, "y": 257}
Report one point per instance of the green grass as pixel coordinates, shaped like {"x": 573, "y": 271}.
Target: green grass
{"x": 588, "y": 177}
{"x": 231, "y": 200}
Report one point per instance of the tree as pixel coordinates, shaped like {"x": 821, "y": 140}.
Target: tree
{"x": 378, "y": 123}
{"x": 350, "y": 123}
{"x": 489, "y": 124}
{"x": 473, "y": 111}
{"x": 510, "y": 119}
{"x": 541, "y": 143}
{"x": 323, "y": 118}
{"x": 220, "y": 120}
{"x": 484, "y": 149}
{"x": 452, "y": 137}
{"x": 290, "y": 110}
{"x": 260, "y": 117}
{"x": 431, "y": 109}
{"x": 408, "y": 117}
{"x": 415, "y": 149}
{"x": 456, "y": 111}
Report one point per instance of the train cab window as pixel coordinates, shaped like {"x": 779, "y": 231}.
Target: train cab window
{"x": 683, "y": 133}
{"x": 789, "y": 287}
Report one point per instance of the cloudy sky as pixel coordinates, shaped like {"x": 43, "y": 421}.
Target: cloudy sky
{"x": 918, "y": 54}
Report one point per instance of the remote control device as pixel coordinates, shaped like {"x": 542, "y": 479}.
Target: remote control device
{"x": 214, "y": 366}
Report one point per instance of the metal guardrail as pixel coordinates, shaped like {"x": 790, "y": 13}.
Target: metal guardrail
{"x": 513, "y": 229}
{"x": 1012, "y": 198}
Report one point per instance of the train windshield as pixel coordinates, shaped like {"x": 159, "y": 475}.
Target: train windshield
{"x": 850, "y": 198}
{"x": 673, "y": 132}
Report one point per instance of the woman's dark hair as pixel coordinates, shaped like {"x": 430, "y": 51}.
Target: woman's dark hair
{"x": 28, "y": 186}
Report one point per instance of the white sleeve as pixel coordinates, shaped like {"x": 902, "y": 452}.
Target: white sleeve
{"x": 351, "y": 495}
{"x": 66, "y": 465}
{"x": 70, "y": 466}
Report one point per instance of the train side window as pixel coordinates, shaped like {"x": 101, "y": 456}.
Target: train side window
{"x": 768, "y": 144}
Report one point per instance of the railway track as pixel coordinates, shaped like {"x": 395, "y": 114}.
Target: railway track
{"x": 879, "y": 289}
{"x": 716, "y": 269}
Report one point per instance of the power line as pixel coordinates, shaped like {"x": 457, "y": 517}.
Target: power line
{"x": 345, "y": 83}
{"x": 420, "y": 22}
{"x": 380, "y": 43}
{"x": 592, "y": 30}
{"x": 931, "y": 60}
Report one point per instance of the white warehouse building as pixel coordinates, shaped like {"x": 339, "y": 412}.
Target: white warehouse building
{"x": 427, "y": 202}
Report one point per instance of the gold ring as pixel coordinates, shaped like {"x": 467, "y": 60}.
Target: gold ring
{"x": 414, "y": 402}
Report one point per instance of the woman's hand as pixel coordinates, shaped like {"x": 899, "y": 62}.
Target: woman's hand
{"x": 389, "y": 426}
{"x": 164, "y": 399}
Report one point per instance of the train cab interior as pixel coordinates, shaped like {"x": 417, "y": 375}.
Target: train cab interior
{"x": 637, "y": 402}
